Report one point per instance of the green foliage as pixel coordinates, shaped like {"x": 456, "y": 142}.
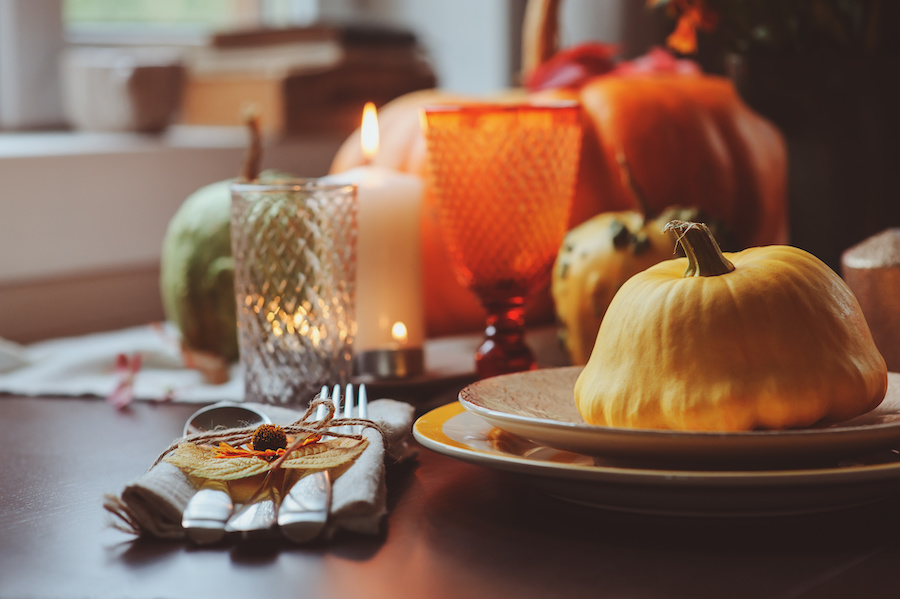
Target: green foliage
{"x": 204, "y": 12}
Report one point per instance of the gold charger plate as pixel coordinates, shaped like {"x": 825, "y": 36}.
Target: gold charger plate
{"x": 586, "y": 480}
{"x": 539, "y": 406}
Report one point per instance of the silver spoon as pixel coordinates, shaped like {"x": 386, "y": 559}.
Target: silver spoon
{"x": 224, "y": 415}
{"x": 210, "y": 507}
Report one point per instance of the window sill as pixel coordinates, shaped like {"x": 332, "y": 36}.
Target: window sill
{"x": 80, "y": 205}
{"x": 70, "y": 143}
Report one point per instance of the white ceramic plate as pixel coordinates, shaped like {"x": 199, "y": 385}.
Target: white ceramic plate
{"x": 451, "y": 431}
{"x": 539, "y": 406}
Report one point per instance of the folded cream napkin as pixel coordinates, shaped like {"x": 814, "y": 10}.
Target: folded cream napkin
{"x": 153, "y": 503}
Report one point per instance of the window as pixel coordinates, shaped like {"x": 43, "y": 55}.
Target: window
{"x": 78, "y": 225}
{"x": 175, "y": 21}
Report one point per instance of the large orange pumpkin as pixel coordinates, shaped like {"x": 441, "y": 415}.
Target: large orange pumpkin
{"x": 689, "y": 140}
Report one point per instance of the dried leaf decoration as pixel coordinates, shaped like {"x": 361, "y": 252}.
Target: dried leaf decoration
{"x": 298, "y": 448}
{"x": 326, "y": 455}
{"x": 200, "y": 461}
{"x": 203, "y": 461}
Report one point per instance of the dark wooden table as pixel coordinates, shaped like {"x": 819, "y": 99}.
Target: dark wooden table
{"x": 454, "y": 530}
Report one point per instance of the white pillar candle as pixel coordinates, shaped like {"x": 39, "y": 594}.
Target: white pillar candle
{"x": 389, "y": 310}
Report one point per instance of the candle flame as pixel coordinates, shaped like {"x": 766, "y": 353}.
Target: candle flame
{"x": 369, "y": 131}
{"x": 399, "y": 333}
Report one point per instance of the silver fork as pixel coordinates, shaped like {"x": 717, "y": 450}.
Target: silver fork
{"x": 304, "y": 512}
{"x": 306, "y": 501}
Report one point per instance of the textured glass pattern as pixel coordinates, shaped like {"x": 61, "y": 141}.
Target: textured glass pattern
{"x": 503, "y": 179}
{"x": 294, "y": 247}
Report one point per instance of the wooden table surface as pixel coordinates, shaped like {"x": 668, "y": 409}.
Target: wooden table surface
{"x": 454, "y": 530}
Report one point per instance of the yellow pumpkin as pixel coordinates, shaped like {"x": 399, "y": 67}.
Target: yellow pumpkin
{"x": 766, "y": 338}
{"x": 596, "y": 257}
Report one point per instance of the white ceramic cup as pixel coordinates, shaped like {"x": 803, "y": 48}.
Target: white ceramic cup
{"x": 119, "y": 89}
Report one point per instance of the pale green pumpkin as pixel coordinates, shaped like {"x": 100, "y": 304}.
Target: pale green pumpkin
{"x": 197, "y": 270}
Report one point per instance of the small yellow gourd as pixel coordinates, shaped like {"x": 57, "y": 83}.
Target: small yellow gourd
{"x": 595, "y": 259}
{"x": 766, "y": 338}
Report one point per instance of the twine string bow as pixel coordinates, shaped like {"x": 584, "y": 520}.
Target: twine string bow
{"x": 300, "y": 429}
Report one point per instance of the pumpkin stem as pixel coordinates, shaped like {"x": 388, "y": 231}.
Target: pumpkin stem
{"x": 250, "y": 169}
{"x": 705, "y": 259}
{"x": 540, "y": 34}
{"x": 639, "y": 198}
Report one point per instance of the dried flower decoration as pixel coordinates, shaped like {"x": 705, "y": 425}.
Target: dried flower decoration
{"x": 271, "y": 445}
{"x": 227, "y": 463}
{"x": 243, "y": 453}
{"x": 269, "y": 436}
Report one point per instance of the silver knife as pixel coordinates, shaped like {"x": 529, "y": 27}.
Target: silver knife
{"x": 207, "y": 512}
{"x": 304, "y": 511}
{"x": 257, "y": 516}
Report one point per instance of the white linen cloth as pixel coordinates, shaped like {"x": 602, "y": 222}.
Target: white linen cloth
{"x": 156, "y": 500}
{"x": 85, "y": 365}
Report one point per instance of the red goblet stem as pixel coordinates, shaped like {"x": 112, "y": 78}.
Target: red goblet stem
{"x": 504, "y": 349}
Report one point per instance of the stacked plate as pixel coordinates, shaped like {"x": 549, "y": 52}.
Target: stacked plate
{"x": 527, "y": 423}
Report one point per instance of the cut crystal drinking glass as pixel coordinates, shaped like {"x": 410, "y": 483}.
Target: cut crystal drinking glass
{"x": 294, "y": 247}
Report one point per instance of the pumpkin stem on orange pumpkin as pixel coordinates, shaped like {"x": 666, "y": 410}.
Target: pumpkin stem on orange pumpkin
{"x": 639, "y": 198}
{"x": 250, "y": 169}
{"x": 540, "y": 34}
{"x": 705, "y": 258}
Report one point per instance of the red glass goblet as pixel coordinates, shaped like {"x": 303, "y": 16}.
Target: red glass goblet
{"x": 502, "y": 178}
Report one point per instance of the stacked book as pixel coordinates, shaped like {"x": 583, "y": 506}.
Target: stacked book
{"x": 301, "y": 80}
